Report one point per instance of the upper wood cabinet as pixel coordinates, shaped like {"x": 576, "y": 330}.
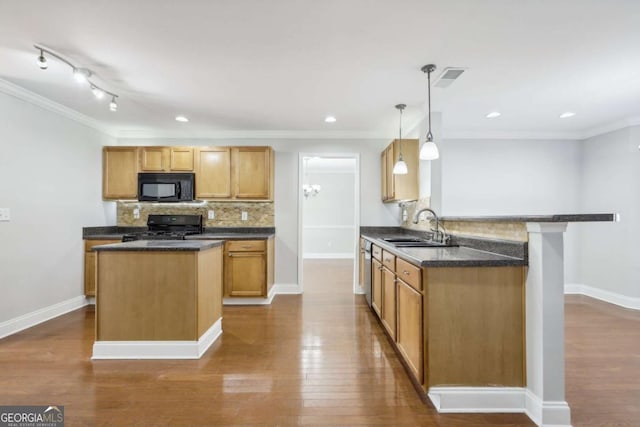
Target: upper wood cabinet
{"x": 397, "y": 188}
{"x": 166, "y": 159}
{"x": 181, "y": 159}
{"x": 213, "y": 172}
{"x": 252, "y": 171}
{"x": 120, "y": 172}
{"x": 230, "y": 173}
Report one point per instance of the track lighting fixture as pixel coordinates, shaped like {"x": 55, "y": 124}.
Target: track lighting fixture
{"x": 42, "y": 61}
{"x": 400, "y": 168}
{"x": 429, "y": 150}
{"x": 81, "y": 75}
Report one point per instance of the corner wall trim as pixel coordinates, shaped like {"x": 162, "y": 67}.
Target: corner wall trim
{"x": 602, "y": 295}
{"x": 547, "y": 414}
{"x": 34, "y": 318}
{"x": 157, "y": 349}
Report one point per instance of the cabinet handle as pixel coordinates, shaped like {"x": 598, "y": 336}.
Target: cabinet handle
{"x": 380, "y": 268}
{"x": 246, "y": 247}
{"x": 405, "y": 272}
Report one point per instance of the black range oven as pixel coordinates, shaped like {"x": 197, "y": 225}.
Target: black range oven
{"x": 168, "y": 227}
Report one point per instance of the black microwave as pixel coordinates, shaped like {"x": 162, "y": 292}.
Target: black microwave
{"x": 166, "y": 187}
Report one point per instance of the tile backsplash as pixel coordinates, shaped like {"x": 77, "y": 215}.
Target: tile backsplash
{"x": 227, "y": 214}
{"x": 516, "y": 231}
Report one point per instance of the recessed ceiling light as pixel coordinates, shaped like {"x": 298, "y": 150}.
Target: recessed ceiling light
{"x": 330, "y": 119}
{"x": 493, "y": 115}
{"x": 567, "y": 114}
{"x": 182, "y": 119}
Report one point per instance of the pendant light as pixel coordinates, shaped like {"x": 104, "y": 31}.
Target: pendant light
{"x": 400, "y": 168}
{"x": 429, "y": 150}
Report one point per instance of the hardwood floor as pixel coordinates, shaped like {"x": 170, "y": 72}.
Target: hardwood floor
{"x": 316, "y": 359}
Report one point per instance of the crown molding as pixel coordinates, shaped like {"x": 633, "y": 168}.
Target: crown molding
{"x": 482, "y": 134}
{"x": 611, "y": 127}
{"x": 23, "y": 94}
{"x": 241, "y": 134}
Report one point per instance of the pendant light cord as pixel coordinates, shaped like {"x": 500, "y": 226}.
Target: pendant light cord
{"x": 400, "y": 133}
{"x": 429, "y": 134}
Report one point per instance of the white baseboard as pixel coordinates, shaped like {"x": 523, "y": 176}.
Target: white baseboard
{"x": 336, "y": 255}
{"x": 287, "y": 289}
{"x": 600, "y": 294}
{"x": 157, "y": 349}
{"x": 91, "y": 300}
{"x": 251, "y": 300}
{"x": 28, "y": 320}
{"x": 500, "y": 400}
{"x": 477, "y": 399}
{"x": 547, "y": 414}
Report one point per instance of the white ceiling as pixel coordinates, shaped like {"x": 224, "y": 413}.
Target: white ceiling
{"x": 283, "y": 65}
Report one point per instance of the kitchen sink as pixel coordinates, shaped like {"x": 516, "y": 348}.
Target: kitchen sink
{"x": 415, "y": 242}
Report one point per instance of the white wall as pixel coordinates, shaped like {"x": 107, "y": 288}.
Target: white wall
{"x": 514, "y": 177}
{"x": 373, "y": 211}
{"x": 50, "y": 178}
{"x": 609, "y": 253}
{"x": 329, "y": 217}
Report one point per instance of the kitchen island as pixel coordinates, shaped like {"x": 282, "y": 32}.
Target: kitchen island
{"x": 158, "y": 299}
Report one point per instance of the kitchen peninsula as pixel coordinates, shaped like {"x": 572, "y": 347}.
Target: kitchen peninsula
{"x": 158, "y": 299}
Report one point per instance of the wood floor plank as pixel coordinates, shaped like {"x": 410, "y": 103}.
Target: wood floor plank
{"x": 315, "y": 359}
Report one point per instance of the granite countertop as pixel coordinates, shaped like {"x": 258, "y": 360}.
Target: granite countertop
{"x": 454, "y": 256}
{"x": 598, "y": 217}
{"x": 160, "y": 245}
{"x": 215, "y": 233}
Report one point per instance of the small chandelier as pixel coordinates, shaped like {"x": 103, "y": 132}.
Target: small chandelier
{"x": 311, "y": 190}
{"x": 429, "y": 150}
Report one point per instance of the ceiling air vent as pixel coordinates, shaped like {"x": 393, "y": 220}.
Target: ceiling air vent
{"x": 448, "y": 76}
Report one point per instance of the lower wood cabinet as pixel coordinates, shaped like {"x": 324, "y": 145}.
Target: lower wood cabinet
{"x": 409, "y": 333}
{"x": 248, "y": 268}
{"x": 388, "y": 315}
{"x": 376, "y": 286}
{"x": 90, "y": 265}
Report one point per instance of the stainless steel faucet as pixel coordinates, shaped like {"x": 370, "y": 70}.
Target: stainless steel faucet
{"x": 437, "y": 233}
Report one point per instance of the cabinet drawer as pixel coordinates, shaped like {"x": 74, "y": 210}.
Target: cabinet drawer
{"x": 88, "y": 244}
{"x": 246, "y": 245}
{"x": 389, "y": 260}
{"x": 376, "y": 252}
{"x": 409, "y": 273}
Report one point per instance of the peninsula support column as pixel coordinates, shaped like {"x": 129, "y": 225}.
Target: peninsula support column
{"x": 545, "y": 396}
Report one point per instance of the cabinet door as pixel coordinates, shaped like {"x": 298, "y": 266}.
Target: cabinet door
{"x": 213, "y": 173}
{"x": 391, "y": 187}
{"x": 90, "y": 274}
{"x": 154, "y": 159}
{"x": 388, "y": 316}
{"x": 120, "y": 173}
{"x": 252, "y": 172}
{"x": 246, "y": 274}
{"x": 383, "y": 174}
{"x": 181, "y": 159}
{"x": 376, "y": 286}
{"x": 409, "y": 334}
{"x": 361, "y": 269}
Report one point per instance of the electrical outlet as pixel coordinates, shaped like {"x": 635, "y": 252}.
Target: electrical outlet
{"x": 136, "y": 213}
{"x": 5, "y": 214}
{"x": 244, "y": 216}
{"x": 211, "y": 214}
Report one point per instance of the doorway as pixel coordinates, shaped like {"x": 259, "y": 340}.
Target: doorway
{"x": 329, "y": 219}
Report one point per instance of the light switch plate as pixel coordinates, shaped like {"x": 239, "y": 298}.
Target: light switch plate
{"x": 244, "y": 215}
{"x": 211, "y": 214}
{"x": 5, "y": 214}
{"x": 136, "y": 213}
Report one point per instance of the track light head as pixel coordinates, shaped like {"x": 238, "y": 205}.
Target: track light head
{"x": 81, "y": 75}
{"x": 42, "y": 61}
{"x": 97, "y": 92}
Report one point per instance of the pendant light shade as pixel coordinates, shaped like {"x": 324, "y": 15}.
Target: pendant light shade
{"x": 429, "y": 150}
{"x": 400, "y": 168}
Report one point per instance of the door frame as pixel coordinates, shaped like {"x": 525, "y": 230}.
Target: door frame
{"x": 356, "y": 243}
